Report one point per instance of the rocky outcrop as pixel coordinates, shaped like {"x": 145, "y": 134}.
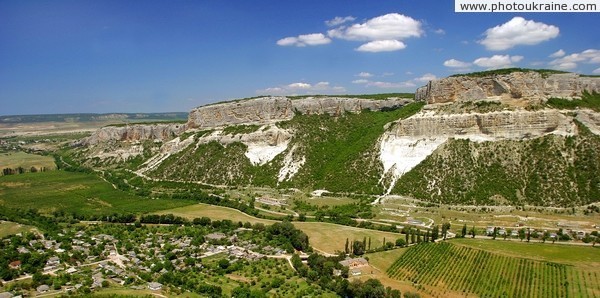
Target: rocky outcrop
{"x": 408, "y": 142}
{"x": 530, "y": 85}
{"x": 495, "y": 125}
{"x": 272, "y": 109}
{"x": 134, "y": 132}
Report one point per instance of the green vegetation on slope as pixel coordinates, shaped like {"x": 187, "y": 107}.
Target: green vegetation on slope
{"x": 462, "y": 269}
{"x": 338, "y": 150}
{"x": 550, "y": 171}
{"x": 341, "y": 153}
{"x": 78, "y": 193}
{"x": 505, "y": 71}
{"x": 588, "y": 100}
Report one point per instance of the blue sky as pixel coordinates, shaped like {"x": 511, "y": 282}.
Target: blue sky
{"x": 155, "y": 56}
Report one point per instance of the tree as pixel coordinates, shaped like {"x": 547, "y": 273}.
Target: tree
{"x": 463, "y": 232}
{"x": 400, "y": 242}
{"x": 435, "y": 232}
{"x": 358, "y": 248}
{"x": 418, "y": 236}
{"x": 445, "y": 228}
{"x": 412, "y": 236}
{"x": 473, "y": 232}
{"x": 369, "y": 248}
{"x": 528, "y": 234}
{"x": 494, "y": 233}
{"x": 347, "y": 247}
{"x": 521, "y": 234}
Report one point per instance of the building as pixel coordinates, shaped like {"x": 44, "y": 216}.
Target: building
{"x": 154, "y": 286}
{"x": 354, "y": 263}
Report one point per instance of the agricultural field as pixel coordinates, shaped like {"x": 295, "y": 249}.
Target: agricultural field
{"x": 326, "y": 237}
{"x": 214, "y": 213}
{"x": 79, "y": 193}
{"x": 10, "y": 228}
{"x": 16, "y": 159}
{"x": 577, "y": 255}
{"x": 443, "y": 269}
{"x": 402, "y": 208}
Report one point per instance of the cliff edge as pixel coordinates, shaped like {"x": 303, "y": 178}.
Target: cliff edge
{"x": 520, "y": 85}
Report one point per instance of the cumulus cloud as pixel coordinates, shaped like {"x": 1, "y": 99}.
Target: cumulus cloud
{"x": 453, "y": 63}
{"x": 360, "y": 81}
{"x": 399, "y": 85}
{"x": 302, "y": 88}
{"x": 386, "y": 27}
{"x": 557, "y": 54}
{"x": 313, "y": 39}
{"x": 426, "y": 78}
{"x": 439, "y": 31}
{"x": 387, "y": 85}
{"x": 364, "y": 74}
{"x": 339, "y": 20}
{"x": 518, "y": 31}
{"x": 382, "y": 46}
{"x": 591, "y": 56}
{"x": 497, "y": 61}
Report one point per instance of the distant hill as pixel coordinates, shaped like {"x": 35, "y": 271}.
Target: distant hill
{"x": 92, "y": 117}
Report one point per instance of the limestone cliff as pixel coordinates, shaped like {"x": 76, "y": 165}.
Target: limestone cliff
{"x": 530, "y": 85}
{"x": 272, "y": 109}
{"x": 134, "y": 132}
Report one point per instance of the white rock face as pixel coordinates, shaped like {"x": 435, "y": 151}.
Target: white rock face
{"x": 517, "y": 85}
{"x": 411, "y": 140}
{"x": 263, "y": 145}
{"x": 291, "y": 165}
{"x": 260, "y": 153}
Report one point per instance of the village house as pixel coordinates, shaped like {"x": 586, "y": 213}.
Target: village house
{"x": 15, "y": 265}
{"x": 154, "y": 286}
{"x": 352, "y": 263}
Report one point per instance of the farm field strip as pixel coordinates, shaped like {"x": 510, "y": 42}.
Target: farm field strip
{"x": 466, "y": 270}
{"x": 327, "y": 237}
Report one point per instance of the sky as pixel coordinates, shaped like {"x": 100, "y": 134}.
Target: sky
{"x": 161, "y": 56}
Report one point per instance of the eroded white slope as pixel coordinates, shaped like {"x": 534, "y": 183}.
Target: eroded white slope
{"x": 411, "y": 140}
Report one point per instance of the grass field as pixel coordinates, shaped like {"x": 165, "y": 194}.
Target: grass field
{"x": 10, "y": 228}
{"x": 215, "y": 213}
{"x": 80, "y": 193}
{"x": 14, "y": 160}
{"x": 443, "y": 269}
{"x": 568, "y": 254}
{"x": 326, "y": 237}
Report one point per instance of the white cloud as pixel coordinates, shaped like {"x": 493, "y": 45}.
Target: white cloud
{"x": 597, "y": 70}
{"x": 360, "y": 81}
{"x": 387, "y": 74}
{"x": 426, "y": 78}
{"x": 387, "y": 85}
{"x": 405, "y": 84}
{"x": 302, "y": 88}
{"x": 567, "y": 62}
{"x": 339, "y": 20}
{"x": 439, "y": 31}
{"x": 299, "y": 86}
{"x": 557, "y": 54}
{"x": 313, "y": 39}
{"x": 518, "y": 31}
{"x": 497, "y": 61}
{"x": 453, "y": 63}
{"x": 393, "y": 26}
{"x": 381, "y": 46}
{"x": 364, "y": 75}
